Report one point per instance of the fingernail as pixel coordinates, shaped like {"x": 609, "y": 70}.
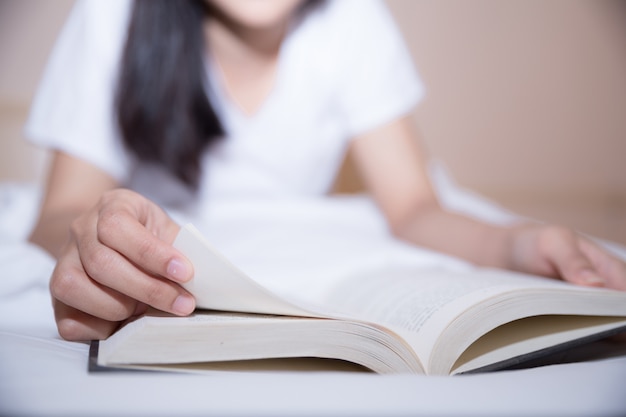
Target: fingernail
{"x": 183, "y": 305}
{"x": 592, "y": 278}
{"x": 177, "y": 270}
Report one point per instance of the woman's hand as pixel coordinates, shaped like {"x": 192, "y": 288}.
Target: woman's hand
{"x": 561, "y": 253}
{"x": 117, "y": 262}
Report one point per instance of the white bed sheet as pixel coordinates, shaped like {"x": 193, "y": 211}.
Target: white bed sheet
{"x": 40, "y": 374}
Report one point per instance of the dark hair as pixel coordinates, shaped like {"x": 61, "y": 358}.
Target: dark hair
{"x": 162, "y": 108}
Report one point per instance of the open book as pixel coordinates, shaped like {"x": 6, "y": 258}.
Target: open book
{"x": 388, "y": 320}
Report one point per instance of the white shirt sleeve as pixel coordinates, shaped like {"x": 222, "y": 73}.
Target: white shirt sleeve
{"x": 73, "y": 108}
{"x": 378, "y": 81}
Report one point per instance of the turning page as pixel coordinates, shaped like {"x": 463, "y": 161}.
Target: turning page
{"x": 219, "y": 285}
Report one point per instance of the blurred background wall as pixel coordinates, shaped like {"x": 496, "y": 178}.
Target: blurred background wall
{"x": 28, "y": 29}
{"x": 526, "y": 99}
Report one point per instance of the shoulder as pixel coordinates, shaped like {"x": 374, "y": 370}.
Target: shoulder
{"x": 352, "y": 17}
{"x": 87, "y": 49}
{"x": 356, "y": 48}
{"x": 345, "y": 33}
{"x": 350, "y": 31}
{"x": 72, "y": 108}
{"x": 92, "y": 35}
{"x": 97, "y": 21}
{"x": 346, "y": 10}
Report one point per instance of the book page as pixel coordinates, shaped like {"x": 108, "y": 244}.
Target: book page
{"x": 444, "y": 311}
{"x": 403, "y": 298}
{"x": 532, "y": 334}
{"x": 419, "y": 304}
{"x": 219, "y": 285}
{"x": 400, "y": 298}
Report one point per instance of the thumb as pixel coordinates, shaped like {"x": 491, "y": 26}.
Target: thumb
{"x": 574, "y": 266}
{"x": 586, "y": 276}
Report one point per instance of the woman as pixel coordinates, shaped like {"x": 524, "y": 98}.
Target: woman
{"x": 187, "y": 102}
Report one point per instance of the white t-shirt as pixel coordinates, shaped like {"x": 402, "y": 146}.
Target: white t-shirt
{"x": 341, "y": 71}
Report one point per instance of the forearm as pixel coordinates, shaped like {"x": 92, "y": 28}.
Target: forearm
{"x": 52, "y": 230}
{"x": 74, "y": 186}
{"x": 457, "y": 235}
{"x": 394, "y": 168}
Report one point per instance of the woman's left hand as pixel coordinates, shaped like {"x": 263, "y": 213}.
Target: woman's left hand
{"x": 558, "y": 252}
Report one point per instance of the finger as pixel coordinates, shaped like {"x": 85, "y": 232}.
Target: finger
{"x": 561, "y": 248}
{"x": 114, "y": 271}
{"x": 122, "y": 232}
{"x": 76, "y": 325}
{"x": 70, "y": 285}
{"x": 609, "y": 267}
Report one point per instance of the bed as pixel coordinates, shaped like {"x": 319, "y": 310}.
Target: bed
{"x": 40, "y": 374}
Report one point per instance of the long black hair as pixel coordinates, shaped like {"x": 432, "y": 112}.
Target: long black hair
{"x": 162, "y": 108}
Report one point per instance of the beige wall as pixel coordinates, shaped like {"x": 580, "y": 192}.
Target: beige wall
{"x": 527, "y": 102}
{"x": 526, "y": 98}
{"x": 28, "y": 29}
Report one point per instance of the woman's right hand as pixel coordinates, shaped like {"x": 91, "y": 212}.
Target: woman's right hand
{"x": 118, "y": 261}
